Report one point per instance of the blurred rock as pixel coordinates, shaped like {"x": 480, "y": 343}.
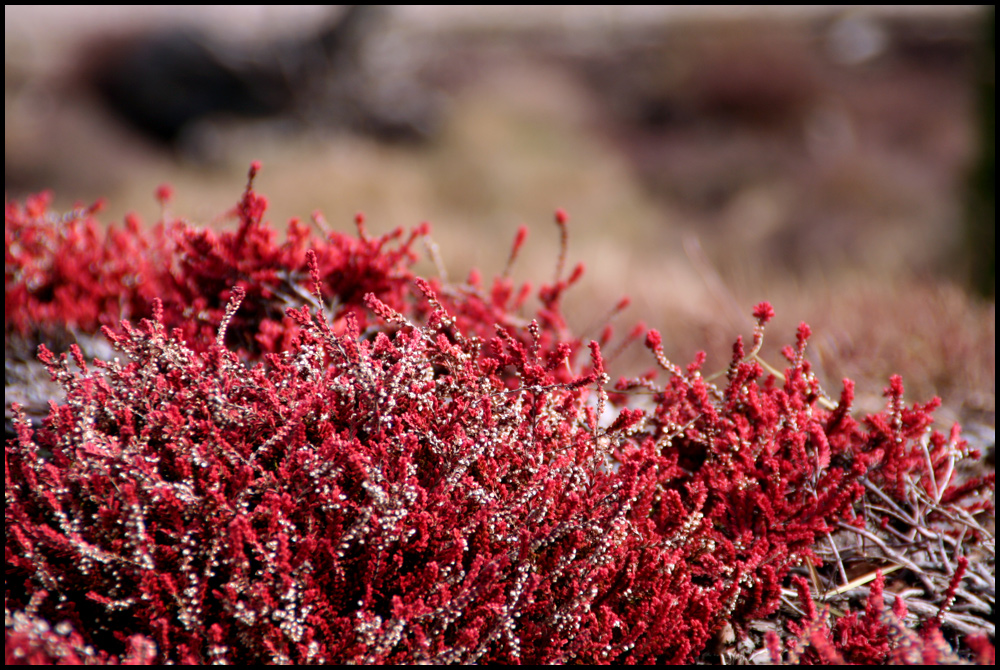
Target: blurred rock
{"x": 166, "y": 83}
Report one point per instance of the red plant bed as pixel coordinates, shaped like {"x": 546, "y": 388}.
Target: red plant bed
{"x": 307, "y": 454}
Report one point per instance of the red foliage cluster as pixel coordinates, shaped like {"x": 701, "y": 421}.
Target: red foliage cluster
{"x": 29, "y": 640}
{"x": 410, "y": 474}
{"x": 878, "y": 637}
{"x": 62, "y": 270}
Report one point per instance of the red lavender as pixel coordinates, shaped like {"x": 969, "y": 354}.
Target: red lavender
{"x": 306, "y": 454}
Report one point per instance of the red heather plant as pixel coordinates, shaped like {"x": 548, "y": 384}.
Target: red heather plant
{"x": 411, "y": 472}
{"x": 877, "y": 637}
{"x": 60, "y": 272}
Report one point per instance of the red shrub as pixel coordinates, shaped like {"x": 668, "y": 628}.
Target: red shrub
{"x": 61, "y": 270}
{"x": 434, "y": 483}
{"x": 878, "y": 637}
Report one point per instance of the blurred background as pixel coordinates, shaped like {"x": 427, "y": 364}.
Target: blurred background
{"x": 836, "y": 161}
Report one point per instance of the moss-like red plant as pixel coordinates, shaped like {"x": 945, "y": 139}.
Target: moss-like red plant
{"x": 307, "y": 454}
